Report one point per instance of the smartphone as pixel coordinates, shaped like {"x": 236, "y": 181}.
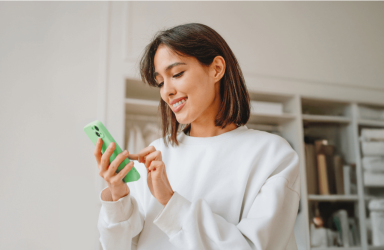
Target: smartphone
{"x": 96, "y": 130}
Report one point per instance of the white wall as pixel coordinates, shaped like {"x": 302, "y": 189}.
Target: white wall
{"x": 300, "y": 44}
{"x": 49, "y": 67}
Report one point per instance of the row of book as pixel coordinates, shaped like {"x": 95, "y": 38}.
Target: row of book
{"x": 326, "y": 171}
{"x": 346, "y": 233}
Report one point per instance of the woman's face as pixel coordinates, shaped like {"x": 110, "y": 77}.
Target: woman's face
{"x": 190, "y": 89}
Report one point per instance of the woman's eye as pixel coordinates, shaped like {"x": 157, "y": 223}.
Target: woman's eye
{"x": 175, "y": 76}
{"x": 178, "y": 75}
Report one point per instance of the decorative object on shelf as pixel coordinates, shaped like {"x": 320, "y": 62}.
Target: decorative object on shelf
{"x": 368, "y": 134}
{"x": 319, "y": 234}
{"x": 373, "y": 148}
{"x": 376, "y": 207}
{"x": 372, "y": 144}
{"x": 371, "y": 113}
{"x": 373, "y": 163}
{"x": 258, "y": 107}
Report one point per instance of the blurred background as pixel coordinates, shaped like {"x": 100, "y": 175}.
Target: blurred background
{"x": 315, "y": 72}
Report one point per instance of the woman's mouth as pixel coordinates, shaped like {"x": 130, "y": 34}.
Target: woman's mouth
{"x": 179, "y": 105}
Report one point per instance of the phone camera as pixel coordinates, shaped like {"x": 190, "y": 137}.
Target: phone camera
{"x": 96, "y": 128}
{"x": 98, "y": 134}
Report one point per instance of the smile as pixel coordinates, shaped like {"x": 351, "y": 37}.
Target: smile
{"x": 179, "y": 105}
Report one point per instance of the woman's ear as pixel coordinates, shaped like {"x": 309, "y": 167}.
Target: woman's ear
{"x": 218, "y": 68}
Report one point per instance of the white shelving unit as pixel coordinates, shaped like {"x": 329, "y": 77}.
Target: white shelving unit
{"x": 302, "y": 115}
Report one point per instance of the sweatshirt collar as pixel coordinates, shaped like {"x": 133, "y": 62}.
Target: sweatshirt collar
{"x": 190, "y": 140}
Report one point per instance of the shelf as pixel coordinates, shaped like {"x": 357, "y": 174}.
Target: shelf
{"x": 322, "y": 118}
{"x": 376, "y": 123}
{"x": 259, "y": 118}
{"x": 150, "y": 107}
{"x": 141, "y": 106}
{"x": 142, "y": 102}
{"x": 374, "y": 186}
{"x": 372, "y": 197}
{"x": 333, "y": 197}
{"x": 376, "y": 247}
{"x": 324, "y": 108}
{"x": 336, "y": 248}
{"x": 325, "y": 118}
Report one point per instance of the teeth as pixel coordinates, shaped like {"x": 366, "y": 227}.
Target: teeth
{"x": 178, "y": 103}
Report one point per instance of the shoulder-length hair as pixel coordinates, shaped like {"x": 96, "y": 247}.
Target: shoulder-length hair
{"x": 203, "y": 43}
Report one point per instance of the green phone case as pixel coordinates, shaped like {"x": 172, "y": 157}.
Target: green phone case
{"x": 96, "y": 129}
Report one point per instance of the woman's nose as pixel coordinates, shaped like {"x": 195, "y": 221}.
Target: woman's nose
{"x": 168, "y": 89}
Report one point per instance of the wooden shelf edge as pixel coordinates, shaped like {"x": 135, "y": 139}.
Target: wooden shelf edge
{"x": 325, "y": 118}
{"x": 376, "y": 247}
{"x": 336, "y": 248}
{"x": 142, "y": 102}
{"x": 334, "y": 197}
{"x": 365, "y": 122}
{"x": 284, "y": 115}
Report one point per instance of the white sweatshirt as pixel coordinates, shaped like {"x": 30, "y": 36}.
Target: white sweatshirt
{"x": 237, "y": 190}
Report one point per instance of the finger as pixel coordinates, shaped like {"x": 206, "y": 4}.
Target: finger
{"x": 124, "y": 171}
{"x": 97, "y": 151}
{"x": 141, "y": 155}
{"x": 105, "y": 157}
{"x": 155, "y": 165}
{"x": 116, "y": 163}
{"x": 152, "y": 157}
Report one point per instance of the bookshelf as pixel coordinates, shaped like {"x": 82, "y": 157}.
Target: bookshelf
{"x": 338, "y": 122}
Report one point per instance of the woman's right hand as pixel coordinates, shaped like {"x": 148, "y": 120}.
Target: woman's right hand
{"x": 117, "y": 188}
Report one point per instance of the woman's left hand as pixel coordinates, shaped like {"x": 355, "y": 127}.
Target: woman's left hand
{"x": 156, "y": 175}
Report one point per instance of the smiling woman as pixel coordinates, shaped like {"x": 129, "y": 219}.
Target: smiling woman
{"x": 218, "y": 185}
{"x": 193, "y": 62}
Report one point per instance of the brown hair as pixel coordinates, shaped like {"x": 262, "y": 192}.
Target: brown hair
{"x": 203, "y": 43}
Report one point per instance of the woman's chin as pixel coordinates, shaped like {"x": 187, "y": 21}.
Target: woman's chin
{"x": 182, "y": 119}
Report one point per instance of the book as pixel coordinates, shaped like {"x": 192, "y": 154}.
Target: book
{"x": 336, "y": 221}
{"x": 339, "y": 178}
{"x": 322, "y": 147}
{"x": 340, "y": 219}
{"x": 311, "y": 169}
{"x": 322, "y": 174}
{"x": 347, "y": 179}
{"x": 355, "y": 231}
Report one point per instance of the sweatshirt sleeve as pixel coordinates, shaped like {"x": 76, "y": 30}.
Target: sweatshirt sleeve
{"x": 267, "y": 224}
{"x": 119, "y": 222}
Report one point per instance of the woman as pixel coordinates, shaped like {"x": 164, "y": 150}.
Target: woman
{"x": 210, "y": 182}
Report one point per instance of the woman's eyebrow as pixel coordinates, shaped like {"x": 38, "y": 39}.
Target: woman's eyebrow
{"x": 170, "y": 67}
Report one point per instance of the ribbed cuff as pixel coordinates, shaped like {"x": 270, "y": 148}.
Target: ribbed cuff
{"x": 171, "y": 219}
{"x": 117, "y": 211}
